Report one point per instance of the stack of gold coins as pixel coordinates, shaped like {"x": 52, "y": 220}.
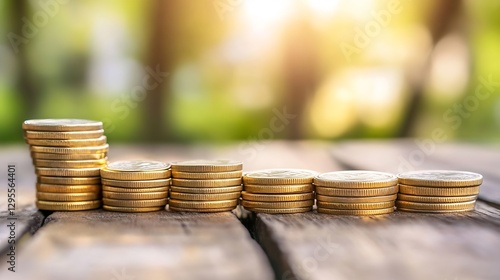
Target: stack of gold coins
{"x": 68, "y": 155}
{"x": 205, "y": 185}
{"x": 438, "y": 191}
{"x": 278, "y": 191}
{"x": 356, "y": 192}
{"x": 135, "y": 186}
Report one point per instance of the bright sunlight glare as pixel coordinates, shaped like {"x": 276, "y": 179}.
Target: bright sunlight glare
{"x": 262, "y": 14}
{"x": 323, "y": 7}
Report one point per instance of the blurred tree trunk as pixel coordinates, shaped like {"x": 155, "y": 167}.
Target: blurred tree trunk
{"x": 300, "y": 70}
{"x": 438, "y": 24}
{"x": 160, "y": 59}
{"x": 24, "y": 82}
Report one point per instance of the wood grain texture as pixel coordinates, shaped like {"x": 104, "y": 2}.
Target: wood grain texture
{"x": 395, "y": 246}
{"x": 402, "y": 155}
{"x": 27, "y": 222}
{"x": 159, "y": 245}
{"x": 166, "y": 245}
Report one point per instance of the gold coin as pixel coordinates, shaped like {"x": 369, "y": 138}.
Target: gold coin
{"x": 135, "y": 176}
{"x": 356, "y": 192}
{"x": 276, "y": 197}
{"x": 346, "y": 199}
{"x": 70, "y": 150}
{"x": 279, "y": 189}
{"x": 220, "y": 165}
{"x": 136, "y": 170}
{"x": 203, "y": 204}
{"x": 69, "y": 180}
{"x": 135, "y": 196}
{"x": 135, "y": 203}
{"x": 277, "y": 205}
{"x": 435, "y": 206}
{"x": 52, "y": 196}
{"x": 436, "y": 199}
{"x": 440, "y": 178}
{"x": 91, "y": 134}
{"x": 96, "y": 156}
{"x": 68, "y": 188}
{"x": 355, "y": 179}
{"x": 68, "y": 206}
{"x": 67, "y": 172}
{"x": 69, "y": 163}
{"x": 434, "y": 191}
{"x": 204, "y": 210}
{"x": 133, "y": 190}
{"x": 356, "y": 206}
{"x": 206, "y": 175}
{"x": 279, "y": 177}
{"x": 206, "y": 190}
{"x": 203, "y": 197}
{"x": 61, "y": 125}
{"x": 137, "y": 184}
{"x": 436, "y": 211}
{"x": 214, "y": 183}
{"x": 132, "y": 209}
{"x": 68, "y": 143}
{"x": 356, "y": 212}
{"x": 280, "y": 211}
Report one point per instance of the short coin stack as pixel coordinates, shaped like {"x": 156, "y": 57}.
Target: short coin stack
{"x": 438, "y": 191}
{"x": 67, "y": 155}
{"x": 135, "y": 186}
{"x": 278, "y": 191}
{"x": 356, "y": 192}
{"x": 205, "y": 185}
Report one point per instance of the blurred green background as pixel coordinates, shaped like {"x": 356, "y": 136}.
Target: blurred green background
{"x": 229, "y": 70}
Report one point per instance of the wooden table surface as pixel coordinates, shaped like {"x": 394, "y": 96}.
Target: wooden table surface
{"x": 241, "y": 245}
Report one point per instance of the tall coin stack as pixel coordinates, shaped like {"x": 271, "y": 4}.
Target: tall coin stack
{"x": 278, "y": 191}
{"x": 205, "y": 185}
{"x": 356, "y": 192}
{"x": 67, "y": 155}
{"x": 135, "y": 186}
{"x": 438, "y": 191}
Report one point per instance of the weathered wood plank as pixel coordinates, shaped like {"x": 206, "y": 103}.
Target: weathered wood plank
{"x": 29, "y": 219}
{"x": 488, "y": 213}
{"x": 160, "y": 245}
{"x": 396, "y": 246}
{"x": 19, "y": 156}
{"x": 187, "y": 246}
{"x": 189, "y": 230}
{"x": 26, "y": 222}
{"x": 401, "y": 155}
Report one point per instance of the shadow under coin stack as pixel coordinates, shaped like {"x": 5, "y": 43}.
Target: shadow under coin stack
{"x": 278, "y": 191}
{"x": 135, "y": 186}
{"x": 356, "y": 192}
{"x": 68, "y": 155}
{"x": 438, "y": 191}
{"x": 205, "y": 185}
